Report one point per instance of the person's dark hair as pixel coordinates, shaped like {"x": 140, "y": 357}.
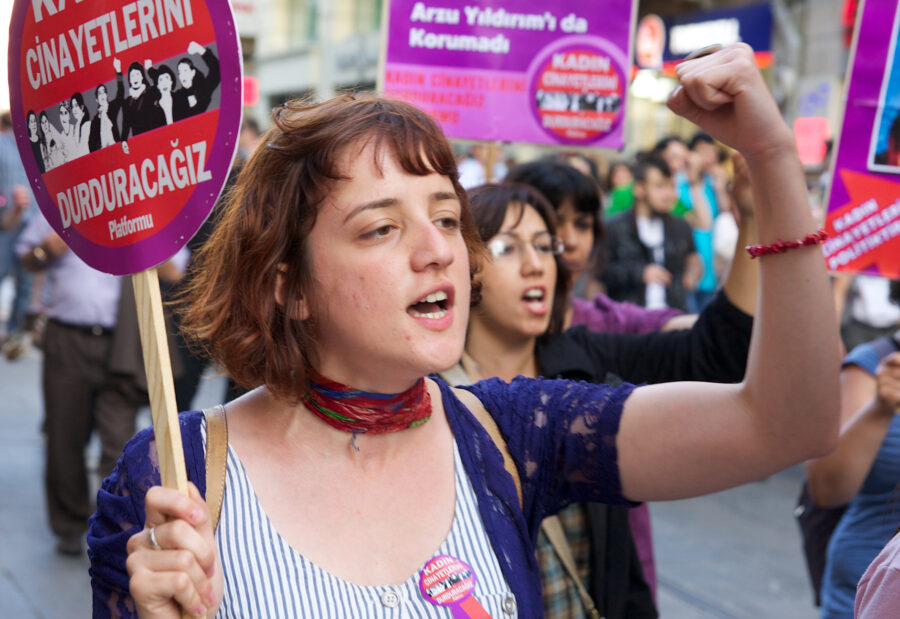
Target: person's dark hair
{"x": 490, "y": 203}
{"x": 648, "y": 162}
{"x": 136, "y": 66}
{"x": 615, "y": 165}
{"x": 78, "y": 98}
{"x": 558, "y": 181}
{"x": 894, "y": 132}
{"x": 188, "y": 62}
{"x": 164, "y": 69}
{"x": 701, "y": 138}
{"x": 229, "y": 304}
{"x": 663, "y": 143}
{"x": 894, "y": 288}
{"x": 37, "y": 124}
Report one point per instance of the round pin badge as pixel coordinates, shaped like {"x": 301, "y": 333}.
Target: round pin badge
{"x": 450, "y": 582}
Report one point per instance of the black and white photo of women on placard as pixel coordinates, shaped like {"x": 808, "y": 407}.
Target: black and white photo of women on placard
{"x": 53, "y": 153}
{"x": 36, "y": 138}
{"x": 146, "y": 97}
{"x": 104, "y": 125}
{"x": 196, "y": 89}
{"x": 82, "y": 125}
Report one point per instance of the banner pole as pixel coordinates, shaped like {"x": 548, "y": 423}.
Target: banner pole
{"x": 160, "y": 384}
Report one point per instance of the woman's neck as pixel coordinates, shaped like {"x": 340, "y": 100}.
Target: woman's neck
{"x": 260, "y": 418}
{"x": 488, "y": 354}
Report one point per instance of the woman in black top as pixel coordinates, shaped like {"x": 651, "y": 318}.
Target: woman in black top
{"x": 517, "y": 329}
{"x": 104, "y": 126}
{"x": 36, "y": 138}
{"x": 196, "y": 91}
{"x": 140, "y": 112}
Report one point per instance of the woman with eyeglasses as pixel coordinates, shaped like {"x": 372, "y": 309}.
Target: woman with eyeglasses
{"x": 517, "y": 329}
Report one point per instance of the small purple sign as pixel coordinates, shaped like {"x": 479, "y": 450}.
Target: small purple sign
{"x": 127, "y": 116}
{"x": 554, "y": 72}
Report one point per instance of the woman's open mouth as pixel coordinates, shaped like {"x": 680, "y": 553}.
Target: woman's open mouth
{"x": 432, "y": 306}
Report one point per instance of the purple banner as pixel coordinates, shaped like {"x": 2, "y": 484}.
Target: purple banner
{"x": 864, "y": 204}
{"x": 553, "y": 72}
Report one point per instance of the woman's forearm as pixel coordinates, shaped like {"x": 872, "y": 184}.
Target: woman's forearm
{"x": 792, "y": 376}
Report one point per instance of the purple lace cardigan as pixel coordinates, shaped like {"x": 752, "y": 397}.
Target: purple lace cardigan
{"x": 565, "y": 456}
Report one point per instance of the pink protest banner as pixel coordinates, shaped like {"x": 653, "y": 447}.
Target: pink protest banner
{"x": 554, "y": 72}
{"x": 863, "y": 216}
{"x": 126, "y": 114}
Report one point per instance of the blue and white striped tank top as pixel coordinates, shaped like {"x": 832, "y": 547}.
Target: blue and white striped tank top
{"x": 266, "y": 577}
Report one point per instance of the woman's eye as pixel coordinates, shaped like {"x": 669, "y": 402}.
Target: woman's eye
{"x": 449, "y": 223}
{"x": 379, "y": 232}
{"x": 584, "y": 224}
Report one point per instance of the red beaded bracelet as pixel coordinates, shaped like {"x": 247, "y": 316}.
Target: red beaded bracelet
{"x": 779, "y": 247}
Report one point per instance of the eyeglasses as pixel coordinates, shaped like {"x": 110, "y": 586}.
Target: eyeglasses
{"x": 509, "y": 244}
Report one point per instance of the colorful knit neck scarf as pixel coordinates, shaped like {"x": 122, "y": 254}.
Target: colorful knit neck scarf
{"x": 362, "y": 412}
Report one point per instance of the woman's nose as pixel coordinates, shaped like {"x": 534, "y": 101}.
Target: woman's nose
{"x": 431, "y": 248}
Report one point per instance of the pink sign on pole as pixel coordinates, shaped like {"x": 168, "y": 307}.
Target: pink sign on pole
{"x": 554, "y": 72}
{"x": 126, "y": 114}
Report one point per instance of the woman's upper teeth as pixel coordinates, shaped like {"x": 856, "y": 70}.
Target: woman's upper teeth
{"x": 534, "y": 293}
{"x": 434, "y": 297}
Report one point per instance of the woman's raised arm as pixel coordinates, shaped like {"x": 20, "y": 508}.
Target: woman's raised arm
{"x": 679, "y": 440}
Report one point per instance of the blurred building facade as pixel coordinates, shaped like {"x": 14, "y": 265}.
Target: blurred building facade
{"x": 301, "y": 48}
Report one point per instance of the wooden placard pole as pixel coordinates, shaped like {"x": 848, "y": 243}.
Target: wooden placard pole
{"x": 160, "y": 384}
{"x": 492, "y": 154}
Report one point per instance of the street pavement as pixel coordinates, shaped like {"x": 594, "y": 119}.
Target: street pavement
{"x": 734, "y": 554}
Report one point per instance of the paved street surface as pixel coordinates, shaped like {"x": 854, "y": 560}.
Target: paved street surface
{"x": 734, "y": 554}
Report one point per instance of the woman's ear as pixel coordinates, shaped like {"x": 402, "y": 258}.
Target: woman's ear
{"x": 300, "y": 311}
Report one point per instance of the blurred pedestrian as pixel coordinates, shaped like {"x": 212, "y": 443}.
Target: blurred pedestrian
{"x": 651, "y": 259}
{"x": 17, "y": 208}
{"x": 79, "y": 393}
{"x": 708, "y": 190}
{"x": 863, "y": 470}
{"x": 618, "y": 188}
{"x": 471, "y": 169}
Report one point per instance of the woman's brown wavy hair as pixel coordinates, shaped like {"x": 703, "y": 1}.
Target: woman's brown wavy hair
{"x": 228, "y": 305}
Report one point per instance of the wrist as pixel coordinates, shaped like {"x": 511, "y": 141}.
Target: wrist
{"x": 781, "y": 151}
